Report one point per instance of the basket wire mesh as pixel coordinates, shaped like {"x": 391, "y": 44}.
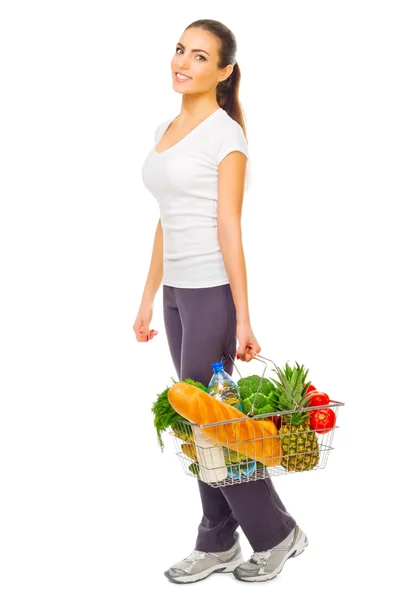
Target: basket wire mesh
{"x": 254, "y": 446}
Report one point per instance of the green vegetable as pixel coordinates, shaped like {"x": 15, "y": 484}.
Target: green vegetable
{"x": 231, "y": 456}
{"x": 258, "y": 400}
{"x": 264, "y": 410}
{"x": 194, "y": 468}
{"x": 249, "y": 385}
{"x": 263, "y": 401}
{"x": 165, "y": 414}
{"x": 246, "y": 404}
{"x": 259, "y": 465}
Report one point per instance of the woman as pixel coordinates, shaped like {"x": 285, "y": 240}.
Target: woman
{"x": 196, "y": 170}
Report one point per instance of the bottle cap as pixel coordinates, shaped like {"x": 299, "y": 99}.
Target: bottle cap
{"x": 218, "y": 365}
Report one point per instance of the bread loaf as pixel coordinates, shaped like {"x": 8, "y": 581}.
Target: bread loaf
{"x": 256, "y": 438}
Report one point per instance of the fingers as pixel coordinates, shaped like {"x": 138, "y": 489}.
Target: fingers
{"x": 152, "y": 333}
{"x": 248, "y": 355}
{"x": 145, "y": 337}
{"x": 143, "y": 334}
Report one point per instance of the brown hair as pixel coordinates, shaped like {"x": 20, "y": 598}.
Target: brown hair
{"x": 227, "y": 90}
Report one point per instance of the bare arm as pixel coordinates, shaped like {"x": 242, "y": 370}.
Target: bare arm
{"x": 231, "y": 179}
{"x": 154, "y": 277}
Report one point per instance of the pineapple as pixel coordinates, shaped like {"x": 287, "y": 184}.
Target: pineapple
{"x": 299, "y": 441}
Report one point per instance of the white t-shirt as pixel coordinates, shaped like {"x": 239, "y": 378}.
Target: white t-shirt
{"x": 184, "y": 180}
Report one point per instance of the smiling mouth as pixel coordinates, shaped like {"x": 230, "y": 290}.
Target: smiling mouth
{"x": 181, "y": 77}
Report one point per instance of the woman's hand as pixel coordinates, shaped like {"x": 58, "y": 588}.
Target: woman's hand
{"x": 142, "y": 323}
{"x": 248, "y": 344}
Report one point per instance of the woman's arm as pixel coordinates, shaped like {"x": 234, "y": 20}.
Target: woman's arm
{"x": 155, "y": 274}
{"x": 231, "y": 179}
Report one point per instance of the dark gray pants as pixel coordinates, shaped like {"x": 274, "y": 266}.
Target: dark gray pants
{"x": 200, "y": 324}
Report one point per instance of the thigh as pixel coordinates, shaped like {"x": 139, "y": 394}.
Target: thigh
{"x": 173, "y": 326}
{"x": 209, "y": 330}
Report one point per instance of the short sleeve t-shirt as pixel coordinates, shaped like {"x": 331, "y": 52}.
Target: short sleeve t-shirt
{"x": 184, "y": 181}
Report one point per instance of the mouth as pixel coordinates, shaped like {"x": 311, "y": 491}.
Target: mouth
{"x": 181, "y": 77}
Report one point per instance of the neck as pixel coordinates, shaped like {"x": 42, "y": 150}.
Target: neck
{"x": 197, "y": 109}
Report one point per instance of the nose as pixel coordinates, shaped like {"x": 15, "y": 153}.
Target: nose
{"x": 183, "y": 65}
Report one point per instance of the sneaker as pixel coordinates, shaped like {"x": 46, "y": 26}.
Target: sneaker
{"x": 266, "y": 565}
{"x": 199, "y": 565}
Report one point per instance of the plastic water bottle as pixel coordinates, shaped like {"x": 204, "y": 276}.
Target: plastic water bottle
{"x": 224, "y": 388}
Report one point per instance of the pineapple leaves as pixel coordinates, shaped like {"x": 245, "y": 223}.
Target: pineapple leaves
{"x": 292, "y": 387}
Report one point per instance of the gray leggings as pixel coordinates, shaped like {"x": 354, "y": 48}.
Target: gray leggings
{"x": 200, "y": 324}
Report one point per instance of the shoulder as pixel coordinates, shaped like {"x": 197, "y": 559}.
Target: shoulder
{"x": 229, "y": 137}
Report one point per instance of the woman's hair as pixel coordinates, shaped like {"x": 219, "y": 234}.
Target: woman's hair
{"x": 227, "y": 90}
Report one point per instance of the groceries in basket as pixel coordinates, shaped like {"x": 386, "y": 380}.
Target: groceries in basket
{"x": 298, "y": 437}
{"x": 165, "y": 416}
{"x": 210, "y": 456}
{"x": 257, "y": 439}
{"x": 223, "y": 387}
{"x": 287, "y": 436}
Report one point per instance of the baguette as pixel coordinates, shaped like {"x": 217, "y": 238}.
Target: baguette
{"x": 256, "y": 438}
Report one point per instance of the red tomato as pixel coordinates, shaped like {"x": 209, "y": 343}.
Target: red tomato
{"x": 323, "y": 420}
{"x": 317, "y": 398}
{"x": 311, "y": 388}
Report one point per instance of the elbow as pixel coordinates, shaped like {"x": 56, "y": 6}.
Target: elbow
{"x": 228, "y": 230}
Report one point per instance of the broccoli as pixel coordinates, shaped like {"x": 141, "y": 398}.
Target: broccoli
{"x": 246, "y": 405}
{"x": 258, "y": 401}
{"x": 264, "y": 410}
{"x": 261, "y": 402}
{"x": 249, "y": 385}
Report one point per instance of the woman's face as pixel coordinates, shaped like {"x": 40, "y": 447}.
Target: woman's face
{"x": 196, "y": 56}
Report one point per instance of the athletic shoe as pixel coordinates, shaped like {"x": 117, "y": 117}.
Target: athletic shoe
{"x": 199, "y": 565}
{"x": 266, "y": 565}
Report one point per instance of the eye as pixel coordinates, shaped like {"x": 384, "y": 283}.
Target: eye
{"x": 199, "y": 55}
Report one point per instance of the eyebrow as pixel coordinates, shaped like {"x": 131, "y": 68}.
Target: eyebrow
{"x": 195, "y": 49}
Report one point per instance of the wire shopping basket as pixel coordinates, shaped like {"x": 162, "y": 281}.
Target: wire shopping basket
{"x": 256, "y": 446}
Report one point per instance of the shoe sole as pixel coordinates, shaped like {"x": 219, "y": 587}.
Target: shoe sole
{"x": 298, "y": 549}
{"x": 224, "y": 568}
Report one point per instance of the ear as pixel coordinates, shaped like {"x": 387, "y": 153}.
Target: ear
{"x": 226, "y": 72}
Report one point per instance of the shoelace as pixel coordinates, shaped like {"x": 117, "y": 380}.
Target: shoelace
{"x": 261, "y": 558}
{"x": 195, "y": 555}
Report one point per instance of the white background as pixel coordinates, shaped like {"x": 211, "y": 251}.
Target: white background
{"x": 89, "y": 506}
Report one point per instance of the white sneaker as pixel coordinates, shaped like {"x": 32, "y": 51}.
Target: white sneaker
{"x": 266, "y": 565}
{"x": 199, "y": 565}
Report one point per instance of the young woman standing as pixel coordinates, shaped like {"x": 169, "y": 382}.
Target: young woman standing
{"x": 196, "y": 171}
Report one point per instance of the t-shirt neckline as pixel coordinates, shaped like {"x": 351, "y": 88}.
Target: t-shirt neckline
{"x": 183, "y": 138}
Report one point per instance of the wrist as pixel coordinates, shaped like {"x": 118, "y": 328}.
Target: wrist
{"x": 245, "y": 320}
{"x": 147, "y": 302}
